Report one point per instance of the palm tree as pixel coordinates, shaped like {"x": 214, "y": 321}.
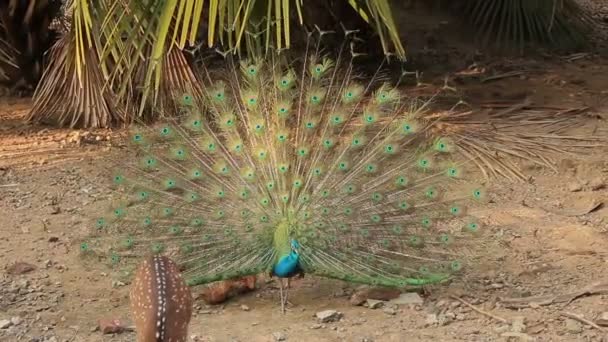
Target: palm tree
{"x": 119, "y": 55}
{"x": 120, "y": 58}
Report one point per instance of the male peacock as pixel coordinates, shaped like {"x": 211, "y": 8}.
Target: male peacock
{"x": 293, "y": 168}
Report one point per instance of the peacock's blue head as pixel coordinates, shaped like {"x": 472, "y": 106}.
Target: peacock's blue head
{"x": 295, "y": 246}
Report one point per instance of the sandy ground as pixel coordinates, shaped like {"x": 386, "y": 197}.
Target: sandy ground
{"x": 549, "y": 238}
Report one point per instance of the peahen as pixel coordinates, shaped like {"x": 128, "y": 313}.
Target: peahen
{"x": 292, "y": 167}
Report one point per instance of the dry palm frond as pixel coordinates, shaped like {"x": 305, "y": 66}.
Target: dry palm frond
{"x": 500, "y": 133}
{"x": 559, "y": 23}
{"x": 65, "y": 97}
{"x": 7, "y": 58}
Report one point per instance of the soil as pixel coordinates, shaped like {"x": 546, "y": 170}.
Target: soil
{"x": 549, "y": 238}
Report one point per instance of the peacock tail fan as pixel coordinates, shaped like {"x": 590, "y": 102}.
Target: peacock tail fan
{"x": 275, "y": 151}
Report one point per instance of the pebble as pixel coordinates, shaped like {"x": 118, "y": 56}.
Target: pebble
{"x": 390, "y": 311}
{"x": 245, "y": 307}
{"x": 328, "y": 316}
{"x": 602, "y": 319}
{"x": 519, "y": 324}
{"x": 374, "y": 304}
{"x": 597, "y": 184}
{"x": 5, "y": 324}
{"x": 111, "y": 326}
{"x": 575, "y": 187}
{"x": 20, "y": 267}
{"x": 279, "y": 336}
{"x": 573, "y": 327}
{"x": 407, "y": 298}
{"x": 431, "y": 319}
{"x": 16, "y": 320}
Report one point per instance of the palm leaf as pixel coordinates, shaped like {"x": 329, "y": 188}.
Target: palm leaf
{"x": 8, "y": 56}
{"x": 71, "y": 91}
{"x": 559, "y": 23}
{"x": 164, "y": 25}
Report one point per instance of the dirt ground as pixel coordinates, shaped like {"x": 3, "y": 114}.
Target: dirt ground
{"x": 550, "y": 235}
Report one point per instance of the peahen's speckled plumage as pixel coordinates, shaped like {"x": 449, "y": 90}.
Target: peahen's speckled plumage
{"x": 294, "y": 168}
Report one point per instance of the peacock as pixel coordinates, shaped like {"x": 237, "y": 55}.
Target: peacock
{"x": 292, "y": 166}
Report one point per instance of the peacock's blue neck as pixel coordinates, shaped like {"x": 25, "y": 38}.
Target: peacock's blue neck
{"x": 287, "y": 266}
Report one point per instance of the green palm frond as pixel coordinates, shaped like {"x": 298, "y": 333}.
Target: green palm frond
{"x": 560, "y": 23}
{"x": 153, "y": 28}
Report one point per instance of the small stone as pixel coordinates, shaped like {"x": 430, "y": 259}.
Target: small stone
{"x": 20, "y": 268}
{"x": 602, "y": 319}
{"x": 390, "y": 311}
{"x": 575, "y": 187}
{"x": 374, "y": 304}
{"x": 502, "y": 328}
{"x": 245, "y": 307}
{"x": 316, "y": 326}
{"x": 573, "y": 327}
{"x": 117, "y": 283}
{"x": 597, "y": 184}
{"x": 328, "y": 316}
{"x": 279, "y": 336}
{"x": 535, "y": 329}
{"x": 363, "y": 293}
{"x": 111, "y": 326}
{"x": 16, "y": 320}
{"x": 407, "y": 298}
{"x": 431, "y": 320}
{"x": 5, "y": 324}
{"x": 519, "y": 324}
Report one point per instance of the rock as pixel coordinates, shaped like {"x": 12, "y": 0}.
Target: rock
{"x": 16, "y": 320}
{"x": 279, "y": 336}
{"x": 431, "y": 320}
{"x": 117, "y": 283}
{"x": 363, "y": 293}
{"x": 328, "y": 316}
{"x": 573, "y": 327}
{"x": 519, "y": 324}
{"x": 602, "y": 319}
{"x": 374, "y": 304}
{"x": 316, "y": 326}
{"x": 597, "y": 184}
{"x": 20, "y": 268}
{"x": 390, "y": 311}
{"x": 5, "y": 324}
{"x": 111, "y": 326}
{"x": 575, "y": 187}
{"x": 245, "y": 307}
{"x": 536, "y": 329}
{"x": 407, "y": 298}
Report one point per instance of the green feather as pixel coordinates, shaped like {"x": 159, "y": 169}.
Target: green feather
{"x": 266, "y": 155}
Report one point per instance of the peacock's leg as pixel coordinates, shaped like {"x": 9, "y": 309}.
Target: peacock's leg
{"x": 283, "y": 298}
